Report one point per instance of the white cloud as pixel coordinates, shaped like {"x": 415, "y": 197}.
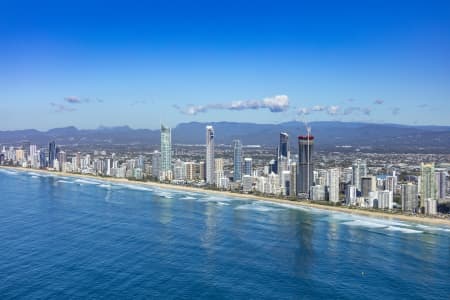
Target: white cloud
{"x": 278, "y": 103}
{"x": 333, "y": 110}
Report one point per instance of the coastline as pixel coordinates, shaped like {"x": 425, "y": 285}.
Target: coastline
{"x": 341, "y": 209}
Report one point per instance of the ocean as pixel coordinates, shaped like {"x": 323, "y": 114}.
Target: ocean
{"x": 65, "y": 237}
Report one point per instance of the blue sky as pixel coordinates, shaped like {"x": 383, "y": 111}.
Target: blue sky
{"x": 139, "y": 63}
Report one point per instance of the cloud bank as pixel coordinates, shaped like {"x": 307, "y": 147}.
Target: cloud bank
{"x": 278, "y": 103}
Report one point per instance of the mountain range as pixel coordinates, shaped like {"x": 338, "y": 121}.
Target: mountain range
{"x": 332, "y": 136}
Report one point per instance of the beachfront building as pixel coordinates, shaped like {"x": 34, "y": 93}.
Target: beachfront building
{"x": 427, "y": 184}
{"x": 166, "y": 154}
{"x": 248, "y": 166}
{"x": 359, "y": 170}
{"x": 237, "y": 160}
{"x": 305, "y": 165}
{"x": 409, "y": 198}
{"x": 210, "y": 174}
{"x": 333, "y": 185}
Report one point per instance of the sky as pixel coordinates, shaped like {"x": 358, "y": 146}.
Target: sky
{"x": 139, "y": 63}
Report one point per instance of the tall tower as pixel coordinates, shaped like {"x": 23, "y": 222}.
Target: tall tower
{"x": 51, "y": 153}
{"x": 166, "y": 153}
{"x": 333, "y": 185}
{"x": 427, "y": 183}
{"x": 283, "y": 148}
{"x": 210, "y": 155}
{"x": 409, "y": 193}
{"x": 248, "y": 166}
{"x": 305, "y": 165}
{"x": 359, "y": 170}
{"x": 156, "y": 163}
{"x": 237, "y": 160}
{"x": 283, "y": 155}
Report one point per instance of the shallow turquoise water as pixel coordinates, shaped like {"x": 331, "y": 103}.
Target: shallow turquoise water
{"x": 65, "y": 237}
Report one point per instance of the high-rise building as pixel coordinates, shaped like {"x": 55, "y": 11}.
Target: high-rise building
{"x": 190, "y": 170}
{"x": 20, "y": 155}
{"x": 42, "y": 159}
{"x": 385, "y": 199}
{"x": 350, "y": 195}
{"x": 293, "y": 181}
{"x": 305, "y": 165}
{"x": 247, "y": 183}
{"x": 273, "y": 166}
{"x": 283, "y": 157}
{"x": 179, "y": 171}
{"x": 428, "y": 184}
{"x": 33, "y": 153}
{"x": 62, "y": 158}
{"x": 248, "y": 166}
{"x": 318, "y": 193}
{"x": 391, "y": 183}
{"x": 283, "y": 148}
{"x": 333, "y": 185}
{"x": 409, "y": 197}
{"x": 210, "y": 174}
{"x": 166, "y": 154}
{"x": 359, "y": 169}
{"x": 156, "y": 163}
{"x": 77, "y": 167}
{"x": 237, "y": 160}
{"x": 51, "y": 153}
{"x": 218, "y": 171}
{"x": 202, "y": 171}
{"x": 430, "y": 207}
{"x": 368, "y": 184}
{"x": 441, "y": 184}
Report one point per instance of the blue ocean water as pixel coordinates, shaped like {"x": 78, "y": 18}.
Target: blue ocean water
{"x": 63, "y": 237}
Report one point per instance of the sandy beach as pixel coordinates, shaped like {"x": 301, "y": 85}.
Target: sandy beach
{"x": 342, "y": 209}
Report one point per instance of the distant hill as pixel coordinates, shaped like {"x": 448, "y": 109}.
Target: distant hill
{"x": 329, "y": 135}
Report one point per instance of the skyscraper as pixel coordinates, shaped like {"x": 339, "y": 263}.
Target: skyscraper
{"x": 293, "y": 182}
{"x": 283, "y": 148}
{"x": 237, "y": 160}
{"x": 350, "y": 195}
{"x": 305, "y": 165}
{"x": 283, "y": 156}
{"x": 368, "y": 184}
{"x": 248, "y": 162}
{"x": 333, "y": 185}
{"x": 156, "y": 163}
{"x": 359, "y": 169}
{"x": 42, "y": 159}
{"x": 441, "y": 184}
{"x": 409, "y": 197}
{"x": 210, "y": 176}
{"x": 166, "y": 154}
{"x": 218, "y": 171}
{"x": 428, "y": 184}
{"x": 51, "y": 153}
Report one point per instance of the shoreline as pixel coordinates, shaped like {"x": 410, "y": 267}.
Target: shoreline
{"x": 341, "y": 209}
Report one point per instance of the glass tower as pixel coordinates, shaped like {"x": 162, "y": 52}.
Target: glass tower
{"x": 237, "y": 160}
{"x": 210, "y": 178}
{"x": 166, "y": 153}
{"x": 305, "y": 165}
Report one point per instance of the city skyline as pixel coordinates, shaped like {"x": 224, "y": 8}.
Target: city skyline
{"x": 94, "y": 65}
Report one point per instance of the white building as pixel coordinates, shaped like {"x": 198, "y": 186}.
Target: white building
{"x": 350, "y": 195}
{"x": 247, "y": 183}
{"x": 218, "y": 173}
{"x": 333, "y": 185}
{"x": 385, "y": 199}
{"x": 431, "y": 206}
